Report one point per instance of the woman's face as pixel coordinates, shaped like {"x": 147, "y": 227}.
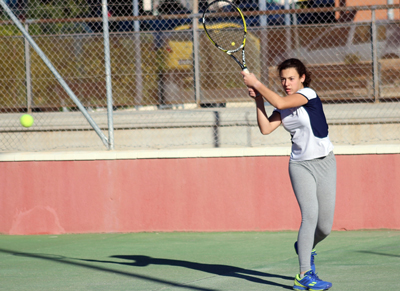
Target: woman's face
{"x": 291, "y": 81}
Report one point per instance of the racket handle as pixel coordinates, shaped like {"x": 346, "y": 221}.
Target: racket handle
{"x": 246, "y": 71}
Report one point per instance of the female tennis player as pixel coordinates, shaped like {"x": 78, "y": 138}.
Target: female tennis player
{"x": 312, "y": 164}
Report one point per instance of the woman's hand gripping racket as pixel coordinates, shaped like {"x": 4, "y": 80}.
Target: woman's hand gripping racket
{"x": 225, "y": 26}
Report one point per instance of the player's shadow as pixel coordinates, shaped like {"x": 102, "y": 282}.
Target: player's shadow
{"x": 379, "y": 254}
{"x": 220, "y": 270}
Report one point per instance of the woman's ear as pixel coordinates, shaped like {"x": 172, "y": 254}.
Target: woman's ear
{"x": 303, "y": 78}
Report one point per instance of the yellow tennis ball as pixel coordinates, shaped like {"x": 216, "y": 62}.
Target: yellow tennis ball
{"x": 26, "y": 120}
{"x": 233, "y": 43}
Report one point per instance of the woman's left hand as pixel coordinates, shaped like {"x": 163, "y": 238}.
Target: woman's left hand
{"x": 253, "y": 93}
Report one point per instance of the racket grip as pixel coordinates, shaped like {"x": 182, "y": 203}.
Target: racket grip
{"x": 246, "y": 71}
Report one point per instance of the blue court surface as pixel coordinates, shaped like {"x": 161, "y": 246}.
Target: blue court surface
{"x": 351, "y": 260}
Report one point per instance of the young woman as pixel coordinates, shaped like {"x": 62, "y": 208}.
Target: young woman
{"x": 312, "y": 164}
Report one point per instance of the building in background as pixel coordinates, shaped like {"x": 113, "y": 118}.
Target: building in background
{"x": 366, "y": 15}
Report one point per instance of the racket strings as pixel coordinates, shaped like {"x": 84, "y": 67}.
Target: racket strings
{"x": 229, "y": 38}
{"x": 224, "y": 25}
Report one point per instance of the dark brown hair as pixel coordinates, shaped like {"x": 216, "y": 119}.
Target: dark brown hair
{"x": 300, "y": 68}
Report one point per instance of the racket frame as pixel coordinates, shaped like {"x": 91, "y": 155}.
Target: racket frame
{"x": 241, "y": 47}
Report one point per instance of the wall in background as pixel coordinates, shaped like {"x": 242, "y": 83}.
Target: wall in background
{"x": 251, "y": 193}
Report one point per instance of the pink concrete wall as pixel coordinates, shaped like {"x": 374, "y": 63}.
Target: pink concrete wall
{"x": 193, "y": 194}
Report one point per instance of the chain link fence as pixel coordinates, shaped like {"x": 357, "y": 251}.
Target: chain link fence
{"x": 172, "y": 89}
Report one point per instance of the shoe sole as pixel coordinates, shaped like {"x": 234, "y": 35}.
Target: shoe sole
{"x": 305, "y": 288}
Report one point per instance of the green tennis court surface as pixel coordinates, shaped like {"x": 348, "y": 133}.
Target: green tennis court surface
{"x": 352, "y": 260}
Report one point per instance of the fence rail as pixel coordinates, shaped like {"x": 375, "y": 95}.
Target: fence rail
{"x": 164, "y": 96}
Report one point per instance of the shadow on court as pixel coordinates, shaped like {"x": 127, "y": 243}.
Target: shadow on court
{"x": 143, "y": 261}
{"x": 215, "y": 269}
{"x": 73, "y": 261}
{"x": 379, "y": 254}
{"x": 233, "y": 261}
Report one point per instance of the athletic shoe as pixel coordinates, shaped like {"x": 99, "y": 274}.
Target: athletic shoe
{"x": 310, "y": 282}
{"x": 313, "y": 254}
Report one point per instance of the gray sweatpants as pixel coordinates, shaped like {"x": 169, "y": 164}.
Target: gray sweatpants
{"x": 314, "y": 184}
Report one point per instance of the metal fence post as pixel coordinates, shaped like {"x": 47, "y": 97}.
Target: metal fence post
{"x": 138, "y": 54}
{"x": 196, "y": 65}
{"x": 264, "y": 48}
{"x": 390, "y": 12}
{"x": 296, "y": 31}
{"x": 28, "y": 73}
{"x": 375, "y": 61}
{"x": 107, "y": 62}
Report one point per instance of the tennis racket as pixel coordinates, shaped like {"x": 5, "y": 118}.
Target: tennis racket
{"x": 225, "y": 26}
